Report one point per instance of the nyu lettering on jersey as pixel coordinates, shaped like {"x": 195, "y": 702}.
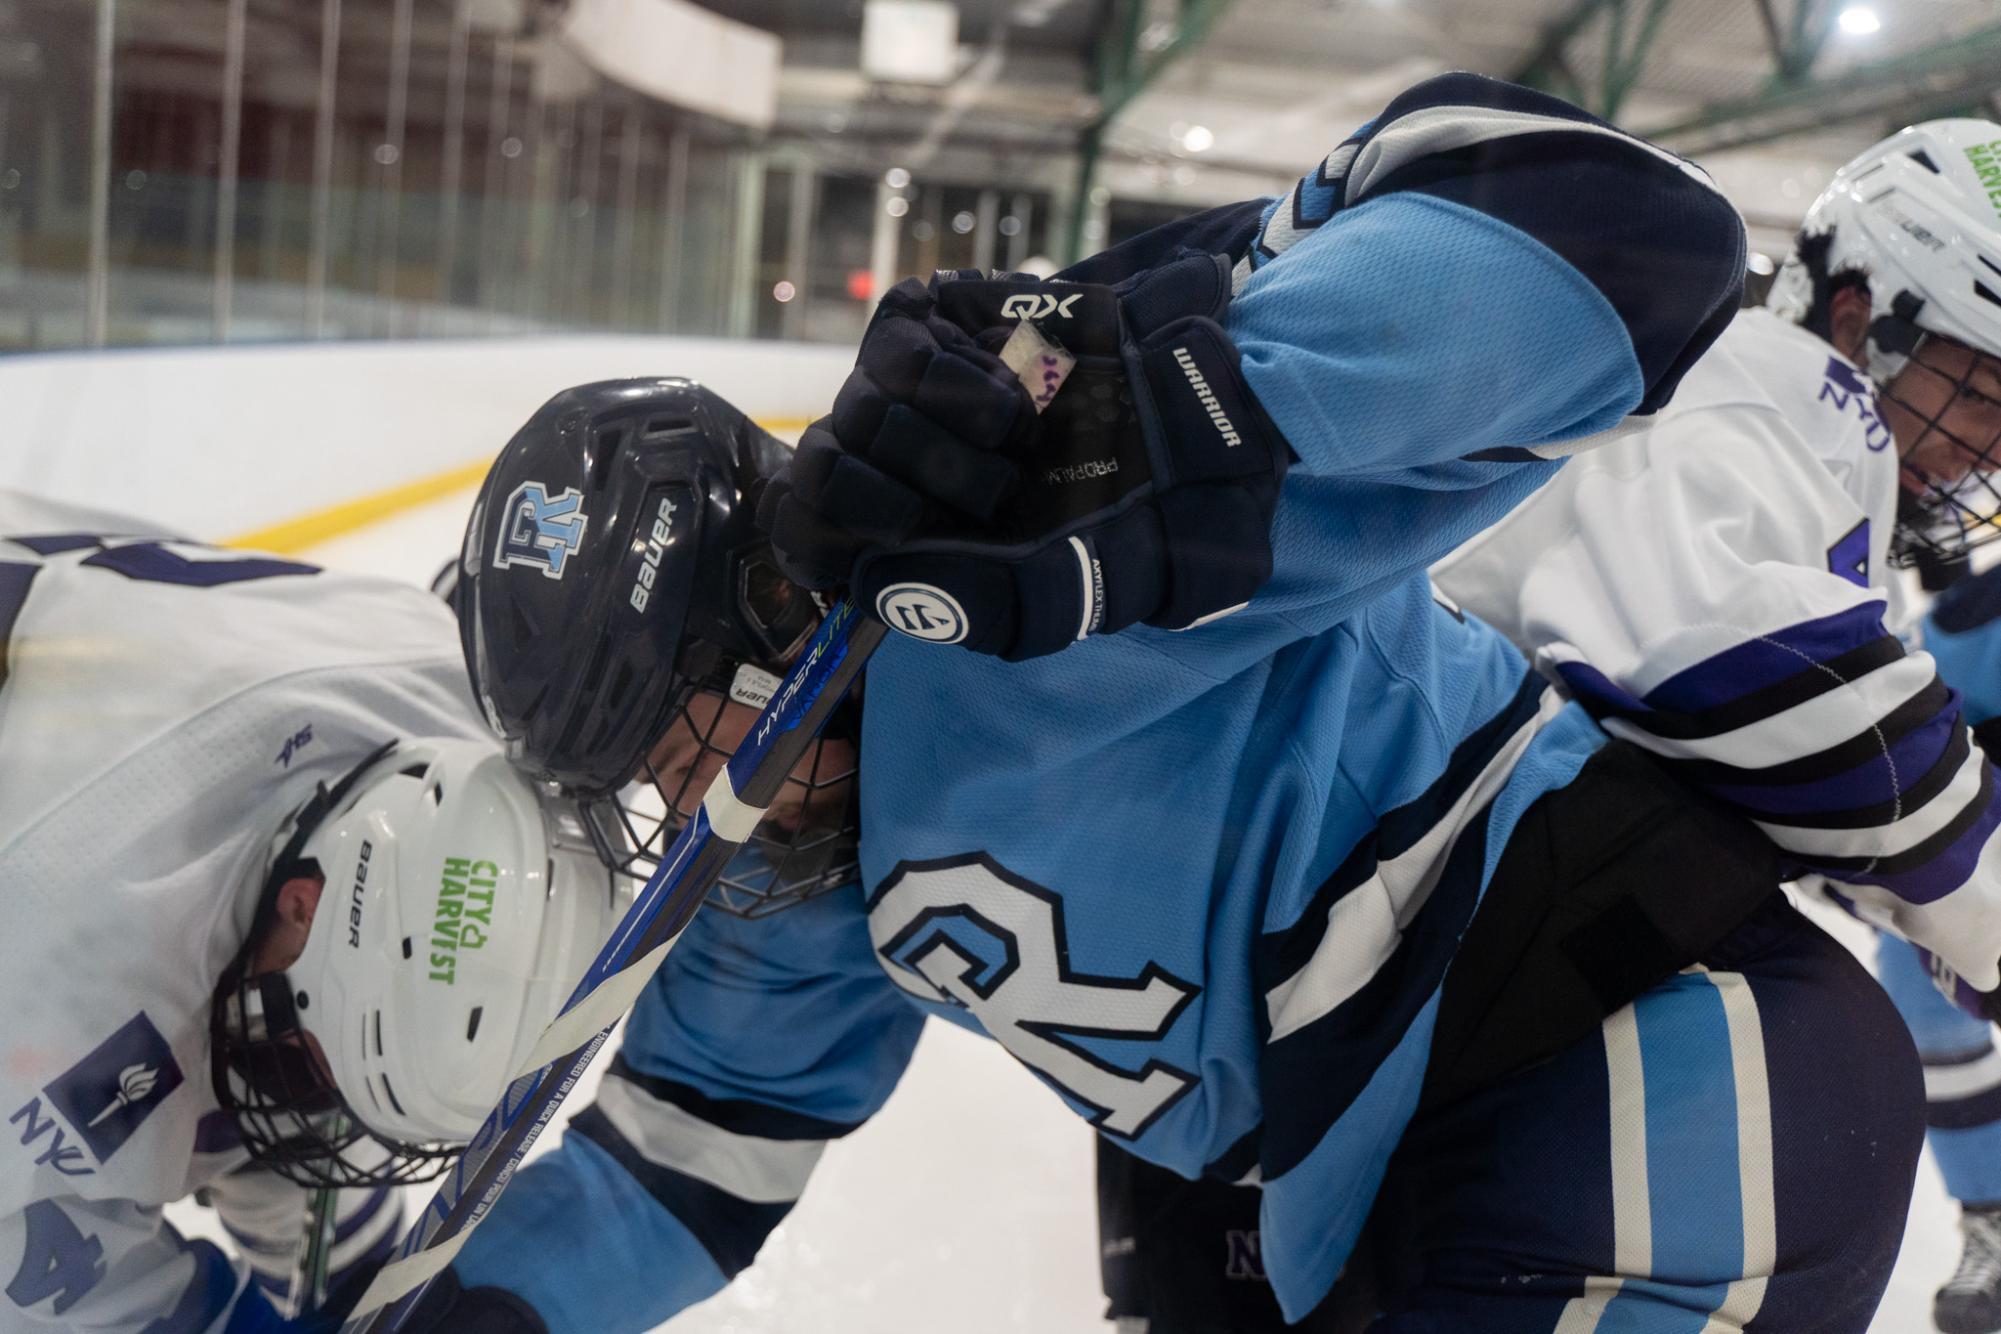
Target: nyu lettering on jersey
{"x": 1714, "y": 591}
{"x": 163, "y": 706}
{"x": 1204, "y": 885}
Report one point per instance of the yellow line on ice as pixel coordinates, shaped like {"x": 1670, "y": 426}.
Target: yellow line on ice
{"x": 306, "y": 530}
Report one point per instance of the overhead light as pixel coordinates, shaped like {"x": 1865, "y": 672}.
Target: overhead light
{"x": 897, "y": 206}
{"x": 1760, "y": 263}
{"x": 1859, "y": 21}
{"x": 783, "y": 291}
{"x": 1198, "y": 139}
{"x": 896, "y": 178}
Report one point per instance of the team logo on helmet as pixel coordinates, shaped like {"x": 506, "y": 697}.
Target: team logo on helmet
{"x": 541, "y": 530}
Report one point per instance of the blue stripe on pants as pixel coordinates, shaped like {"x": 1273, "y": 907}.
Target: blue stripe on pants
{"x": 1762, "y": 1118}
{"x": 1962, "y": 1090}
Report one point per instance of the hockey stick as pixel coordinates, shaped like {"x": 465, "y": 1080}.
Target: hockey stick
{"x": 730, "y": 811}
{"x": 308, "y": 1288}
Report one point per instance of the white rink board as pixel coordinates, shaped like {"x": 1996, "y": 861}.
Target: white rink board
{"x": 219, "y": 441}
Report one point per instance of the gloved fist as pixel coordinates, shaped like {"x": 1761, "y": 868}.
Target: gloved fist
{"x": 956, "y": 512}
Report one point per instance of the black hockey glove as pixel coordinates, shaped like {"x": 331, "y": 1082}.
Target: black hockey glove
{"x": 1143, "y": 491}
{"x": 445, "y": 1308}
{"x": 448, "y": 1308}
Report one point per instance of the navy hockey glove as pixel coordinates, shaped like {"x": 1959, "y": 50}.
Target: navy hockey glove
{"x": 448, "y": 1308}
{"x": 1144, "y": 490}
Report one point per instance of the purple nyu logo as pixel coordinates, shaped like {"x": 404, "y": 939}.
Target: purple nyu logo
{"x": 1844, "y": 387}
{"x": 105, "y": 1096}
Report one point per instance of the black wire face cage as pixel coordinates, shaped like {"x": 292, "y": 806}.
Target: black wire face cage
{"x": 270, "y": 1076}
{"x": 806, "y": 846}
{"x": 1939, "y": 523}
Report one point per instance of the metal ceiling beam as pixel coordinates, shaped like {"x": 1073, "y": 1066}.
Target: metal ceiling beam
{"x": 1956, "y": 72}
{"x": 1548, "y": 66}
{"x": 1122, "y": 72}
{"x": 1545, "y": 67}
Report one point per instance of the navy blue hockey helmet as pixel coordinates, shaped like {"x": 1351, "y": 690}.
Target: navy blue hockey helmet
{"x": 613, "y": 592}
{"x": 611, "y": 556}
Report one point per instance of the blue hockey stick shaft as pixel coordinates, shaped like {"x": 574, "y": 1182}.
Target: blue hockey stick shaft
{"x": 730, "y": 811}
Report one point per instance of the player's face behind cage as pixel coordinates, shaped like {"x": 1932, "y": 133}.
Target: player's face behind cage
{"x": 807, "y": 842}
{"x": 626, "y": 677}
{"x": 274, "y": 1079}
{"x": 1944, "y": 410}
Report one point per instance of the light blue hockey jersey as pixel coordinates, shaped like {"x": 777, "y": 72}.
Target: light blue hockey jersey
{"x": 1962, "y": 632}
{"x": 1205, "y": 885}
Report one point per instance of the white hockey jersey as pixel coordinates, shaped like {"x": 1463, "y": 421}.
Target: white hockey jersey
{"x": 163, "y": 707}
{"x": 1715, "y": 590}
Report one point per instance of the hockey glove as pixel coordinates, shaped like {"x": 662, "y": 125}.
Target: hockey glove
{"x": 1143, "y": 490}
{"x": 448, "y": 1308}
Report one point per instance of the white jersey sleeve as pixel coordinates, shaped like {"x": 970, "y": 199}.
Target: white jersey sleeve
{"x": 163, "y": 707}
{"x": 263, "y": 1214}
{"x": 1710, "y": 590}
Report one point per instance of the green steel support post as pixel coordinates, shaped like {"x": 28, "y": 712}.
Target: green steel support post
{"x": 1122, "y": 79}
{"x": 1623, "y": 72}
{"x": 1547, "y": 60}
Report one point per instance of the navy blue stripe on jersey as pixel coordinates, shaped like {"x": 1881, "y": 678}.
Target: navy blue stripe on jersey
{"x": 378, "y": 1251}
{"x": 1812, "y": 680}
{"x": 1774, "y": 656}
{"x": 1910, "y": 751}
{"x": 1645, "y": 228}
{"x": 730, "y": 1229}
{"x": 1851, "y": 754}
{"x": 1910, "y": 796}
{"x": 1281, "y": 954}
{"x": 1937, "y": 866}
{"x": 207, "y": 1293}
{"x": 1930, "y": 716}
{"x": 55, "y": 544}
{"x": 15, "y": 579}
{"x": 217, "y": 1132}
{"x": 739, "y": 1116}
{"x": 1228, "y": 230}
{"x": 149, "y": 562}
{"x": 1309, "y": 1078}
{"x": 368, "y": 1209}
{"x": 1628, "y": 221}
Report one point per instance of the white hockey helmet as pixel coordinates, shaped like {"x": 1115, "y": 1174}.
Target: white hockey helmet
{"x": 1918, "y": 216}
{"x": 460, "y": 906}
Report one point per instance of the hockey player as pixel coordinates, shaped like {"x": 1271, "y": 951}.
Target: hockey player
{"x": 1716, "y": 591}
{"x": 1324, "y": 891}
{"x": 279, "y": 917}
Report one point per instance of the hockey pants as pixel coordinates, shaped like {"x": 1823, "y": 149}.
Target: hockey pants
{"x": 1733, "y": 1151}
